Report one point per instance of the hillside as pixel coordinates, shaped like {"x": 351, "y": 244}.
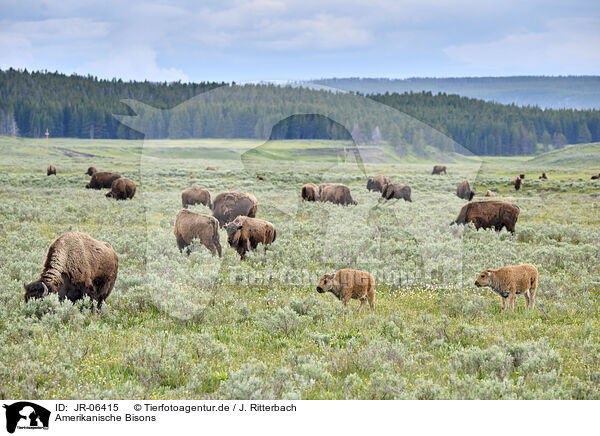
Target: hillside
{"x": 572, "y": 156}
{"x": 576, "y": 92}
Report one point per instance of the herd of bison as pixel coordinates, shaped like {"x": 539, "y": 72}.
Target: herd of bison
{"x": 77, "y": 264}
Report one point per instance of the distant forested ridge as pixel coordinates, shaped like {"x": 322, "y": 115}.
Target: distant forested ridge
{"x": 84, "y": 107}
{"x": 558, "y": 92}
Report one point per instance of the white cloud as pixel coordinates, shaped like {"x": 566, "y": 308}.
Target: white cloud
{"x": 565, "y": 42}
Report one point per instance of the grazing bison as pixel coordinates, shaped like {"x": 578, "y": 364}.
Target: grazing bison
{"x": 350, "y": 283}
{"x": 396, "y": 190}
{"x": 51, "y": 170}
{"x": 245, "y": 233}
{"x": 191, "y": 225}
{"x": 76, "y": 265}
{"x": 517, "y": 182}
{"x": 463, "y": 190}
{"x": 228, "y": 205}
{"x": 195, "y": 195}
{"x": 261, "y": 177}
{"x": 209, "y": 168}
{"x": 336, "y": 193}
{"x": 122, "y": 189}
{"x": 91, "y": 170}
{"x": 511, "y": 280}
{"x": 543, "y": 176}
{"x": 489, "y": 214}
{"x": 377, "y": 183}
{"x": 102, "y": 179}
{"x": 522, "y": 176}
{"x": 489, "y": 194}
{"x": 439, "y": 169}
{"x": 310, "y": 192}
{"x": 596, "y": 177}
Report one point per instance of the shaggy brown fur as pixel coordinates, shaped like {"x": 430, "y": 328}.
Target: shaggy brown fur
{"x": 439, "y": 169}
{"x": 489, "y": 194}
{"x": 377, "y": 183}
{"x": 396, "y": 190}
{"x": 336, "y": 193}
{"x": 191, "y": 225}
{"x": 228, "y": 205}
{"x": 102, "y": 179}
{"x": 596, "y": 177}
{"x": 517, "y": 182}
{"x": 489, "y": 214}
{"x": 195, "y": 195}
{"x": 122, "y": 189}
{"x": 463, "y": 190}
{"x": 51, "y": 170}
{"x": 350, "y": 283}
{"x": 543, "y": 176}
{"x": 511, "y": 280}
{"x": 245, "y": 233}
{"x": 211, "y": 168}
{"x": 310, "y": 192}
{"x": 76, "y": 265}
{"x": 91, "y": 170}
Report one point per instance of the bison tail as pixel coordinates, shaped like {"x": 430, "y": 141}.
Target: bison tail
{"x": 274, "y": 235}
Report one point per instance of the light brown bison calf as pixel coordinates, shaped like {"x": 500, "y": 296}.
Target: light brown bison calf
{"x": 511, "y": 280}
{"x": 377, "y": 183}
{"x": 396, "y": 190}
{"x": 195, "y": 195}
{"x": 102, "y": 179}
{"x": 464, "y": 191}
{"x": 51, "y": 170}
{"x": 76, "y": 265}
{"x": 439, "y": 169}
{"x": 245, "y": 233}
{"x": 310, "y": 192}
{"x": 191, "y": 225}
{"x": 350, "y": 283}
{"x": 122, "y": 189}
{"x": 336, "y": 193}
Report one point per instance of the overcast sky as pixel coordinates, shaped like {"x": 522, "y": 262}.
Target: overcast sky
{"x": 272, "y": 39}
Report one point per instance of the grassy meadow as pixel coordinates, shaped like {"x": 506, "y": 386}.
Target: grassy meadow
{"x": 199, "y": 327}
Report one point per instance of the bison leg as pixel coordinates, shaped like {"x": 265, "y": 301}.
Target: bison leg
{"x": 218, "y": 245}
{"x": 532, "y": 292}
{"x": 181, "y": 244}
{"x": 504, "y": 301}
{"x": 527, "y": 298}
{"x": 512, "y": 299}
{"x": 362, "y": 303}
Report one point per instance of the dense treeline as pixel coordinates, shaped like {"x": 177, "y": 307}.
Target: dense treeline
{"x": 76, "y": 106}
{"x": 495, "y": 129}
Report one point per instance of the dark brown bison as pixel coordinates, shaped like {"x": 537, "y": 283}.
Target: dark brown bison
{"x": 195, "y": 195}
{"x": 543, "y": 176}
{"x": 122, "y": 189}
{"x": 439, "y": 169}
{"x": 377, "y": 183}
{"x": 191, "y": 225}
{"x": 489, "y": 214}
{"x": 91, "y": 170}
{"x": 522, "y": 176}
{"x": 76, "y": 265}
{"x": 517, "y": 183}
{"x": 596, "y": 177}
{"x": 310, "y": 192}
{"x": 463, "y": 190}
{"x": 261, "y": 177}
{"x": 336, "y": 193}
{"x": 102, "y": 179}
{"x": 396, "y": 190}
{"x": 245, "y": 233}
{"x": 209, "y": 168}
{"x": 51, "y": 170}
{"x": 228, "y": 205}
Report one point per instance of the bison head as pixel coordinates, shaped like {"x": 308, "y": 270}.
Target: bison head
{"x": 484, "y": 278}
{"x": 232, "y": 230}
{"x": 35, "y": 290}
{"x": 325, "y": 284}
